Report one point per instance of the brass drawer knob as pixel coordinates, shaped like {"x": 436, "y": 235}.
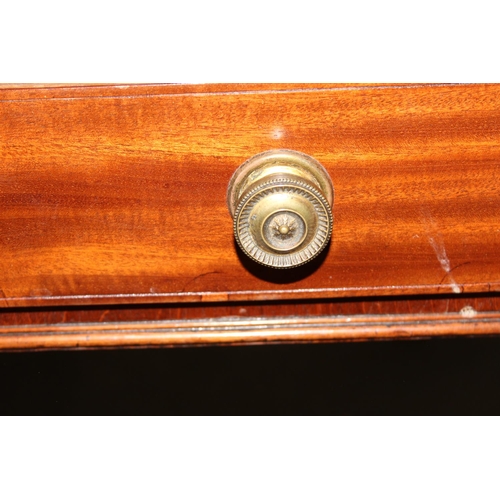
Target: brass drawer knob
{"x": 280, "y": 201}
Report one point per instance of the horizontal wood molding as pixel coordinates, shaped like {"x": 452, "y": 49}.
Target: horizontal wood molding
{"x": 236, "y": 331}
{"x": 442, "y": 304}
{"x": 213, "y": 297}
{"x": 11, "y": 92}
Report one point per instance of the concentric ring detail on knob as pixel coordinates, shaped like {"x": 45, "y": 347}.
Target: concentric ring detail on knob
{"x": 288, "y": 235}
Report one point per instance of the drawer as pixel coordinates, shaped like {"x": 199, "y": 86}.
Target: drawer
{"x": 117, "y": 194}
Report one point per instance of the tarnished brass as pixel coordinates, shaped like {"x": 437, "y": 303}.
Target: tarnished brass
{"x": 280, "y": 201}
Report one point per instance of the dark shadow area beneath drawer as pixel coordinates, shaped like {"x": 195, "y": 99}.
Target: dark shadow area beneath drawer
{"x": 446, "y": 376}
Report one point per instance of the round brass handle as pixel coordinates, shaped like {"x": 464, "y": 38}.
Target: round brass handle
{"x": 280, "y": 201}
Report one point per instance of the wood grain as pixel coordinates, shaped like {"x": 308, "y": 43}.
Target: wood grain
{"x": 246, "y": 331}
{"x": 376, "y": 306}
{"x": 116, "y": 194}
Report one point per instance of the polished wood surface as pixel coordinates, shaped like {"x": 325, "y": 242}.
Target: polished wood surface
{"x": 249, "y": 322}
{"x": 378, "y": 306}
{"x": 248, "y": 331}
{"x": 117, "y": 194}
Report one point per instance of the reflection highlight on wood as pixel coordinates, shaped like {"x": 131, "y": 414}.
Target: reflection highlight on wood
{"x": 247, "y": 331}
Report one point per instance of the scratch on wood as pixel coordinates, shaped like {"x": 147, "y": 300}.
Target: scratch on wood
{"x": 437, "y": 243}
{"x": 440, "y": 251}
{"x": 460, "y": 265}
{"x": 2, "y": 294}
{"x": 103, "y": 315}
{"x": 198, "y": 277}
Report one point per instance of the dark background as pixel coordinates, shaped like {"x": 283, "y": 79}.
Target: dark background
{"x": 438, "y": 376}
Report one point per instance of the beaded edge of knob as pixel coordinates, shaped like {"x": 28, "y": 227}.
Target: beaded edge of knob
{"x": 306, "y": 188}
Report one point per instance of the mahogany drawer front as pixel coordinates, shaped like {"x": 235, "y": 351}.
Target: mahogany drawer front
{"x": 118, "y": 194}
